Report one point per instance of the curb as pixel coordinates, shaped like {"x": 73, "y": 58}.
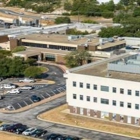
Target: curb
{"x": 34, "y": 104}
{"x": 38, "y": 117}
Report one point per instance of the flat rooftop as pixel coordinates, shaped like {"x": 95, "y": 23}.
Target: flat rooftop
{"x": 36, "y": 51}
{"x": 57, "y": 38}
{"x": 100, "y": 69}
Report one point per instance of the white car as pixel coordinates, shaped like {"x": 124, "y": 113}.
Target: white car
{"x": 28, "y": 131}
{"x": 7, "y": 86}
{"x": 14, "y": 91}
{"x": 27, "y": 80}
{"x": 26, "y": 88}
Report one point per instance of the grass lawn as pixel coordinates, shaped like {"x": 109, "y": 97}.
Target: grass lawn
{"x": 60, "y": 117}
{"x": 43, "y": 69}
{"x": 10, "y": 136}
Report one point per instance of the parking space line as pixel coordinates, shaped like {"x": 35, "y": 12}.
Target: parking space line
{"x": 13, "y": 107}
{"x": 48, "y": 94}
{"x": 19, "y": 105}
{"x": 31, "y": 100}
{"x": 53, "y": 92}
{"x": 42, "y": 96}
{"x": 25, "y": 102}
{"x": 58, "y": 90}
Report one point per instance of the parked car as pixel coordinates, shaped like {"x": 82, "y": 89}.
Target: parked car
{"x": 61, "y": 138}
{"x": 72, "y": 138}
{"x": 52, "y": 136}
{"x": 4, "y": 127}
{"x": 8, "y": 86}
{"x": 39, "y": 133}
{"x": 14, "y": 91}
{"x": 13, "y": 127}
{"x": 35, "y": 98}
{"x": 27, "y": 80}
{"x": 21, "y": 129}
{"x": 28, "y": 131}
{"x": 26, "y": 87}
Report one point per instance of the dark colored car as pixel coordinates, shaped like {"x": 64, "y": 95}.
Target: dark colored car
{"x": 4, "y": 127}
{"x": 53, "y": 136}
{"x": 13, "y": 127}
{"x": 72, "y": 138}
{"x": 39, "y": 133}
{"x": 35, "y": 98}
{"x": 61, "y": 138}
{"x": 21, "y": 129}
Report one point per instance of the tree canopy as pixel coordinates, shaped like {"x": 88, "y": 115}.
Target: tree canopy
{"x": 60, "y": 20}
{"x": 33, "y": 72}
{"x": 77, "y": 58}
{"x": 17, "y": 67}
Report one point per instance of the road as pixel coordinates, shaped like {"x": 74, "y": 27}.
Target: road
{"x": 29, "y": 118}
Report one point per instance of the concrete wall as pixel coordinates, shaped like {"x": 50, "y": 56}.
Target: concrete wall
{"x": 132, "y": 41}
{"x": 4, "y": 39}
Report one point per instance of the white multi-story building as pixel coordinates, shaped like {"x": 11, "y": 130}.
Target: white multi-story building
{"x": 108, "y": 89}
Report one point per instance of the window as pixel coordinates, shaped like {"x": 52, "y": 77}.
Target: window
{"x": 74, "y": 96}
{"x": 88, "y": 86}
{"x": 114, "y": 102}
{"x": 95, "y": 99}
{"x": 121, "y": 90}
{"x": 104, "y": 101}
{"x": 81, "y": 85}
{"x": 129, "y": 92}
{"x": 121, "y": 104}
{"x": 105, "y": 88}
{"x": 95, "y": 87}
{"x": 129, "y": 105}
{"x": 88, "y": 98}
{"x": 137, "y": 106}
{"x": 81, "y": 97}
{"x": 114, "y": 90}
{"x": 136, "y": 93}
{"x": 74, "y": 84}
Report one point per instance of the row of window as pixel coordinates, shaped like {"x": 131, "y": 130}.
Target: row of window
{"x": 106, "y": 88}
{"x": 105, "y": 101}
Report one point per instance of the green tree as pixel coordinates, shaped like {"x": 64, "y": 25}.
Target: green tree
{"x": 60, "y": 20}
{"x": 77, "y": 58}
{"x": 33, "y": 72}
{"x": 136, "y": 12}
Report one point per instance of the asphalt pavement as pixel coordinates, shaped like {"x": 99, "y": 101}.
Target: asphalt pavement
{"x": 29, "y": 118}
{"x": 42, "y": 90}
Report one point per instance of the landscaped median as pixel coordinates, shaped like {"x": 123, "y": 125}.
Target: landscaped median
{"x": 60, "y": 115}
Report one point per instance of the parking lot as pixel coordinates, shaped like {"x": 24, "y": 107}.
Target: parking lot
{"x": 38, "y": 132}
{"x": 17, "y": 101}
